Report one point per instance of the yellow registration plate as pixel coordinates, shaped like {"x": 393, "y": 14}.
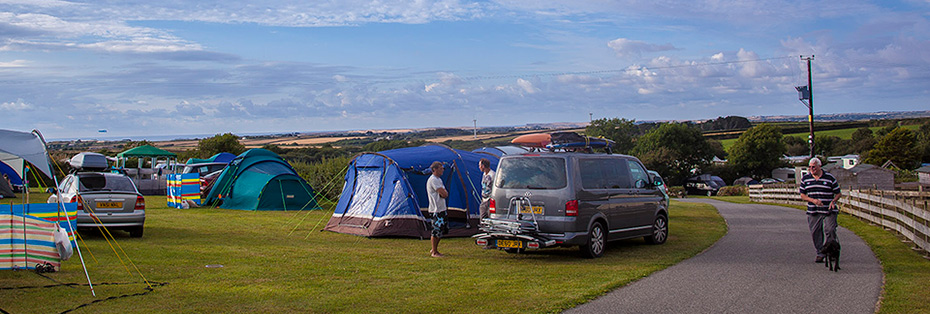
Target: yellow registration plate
{"x": 536, "y": 210}
{"x": 510, "y": 244}
{"x": 109, "y": 204}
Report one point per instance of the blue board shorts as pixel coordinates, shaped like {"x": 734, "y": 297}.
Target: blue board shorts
{"x": 440, "y": 225}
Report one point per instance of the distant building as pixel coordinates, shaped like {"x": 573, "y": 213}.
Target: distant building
{"x": 862, "y": 176}
{"x": 794, "y": 160}
{"x": 923, "y": 175}
{"x": 846, "y": 162}
{"x": 784, "y": 174}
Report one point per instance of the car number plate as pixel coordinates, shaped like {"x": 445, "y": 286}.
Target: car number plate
{"x": 510, "y": 244}
{"x": 109, "y": 204}
{"x": 536, "y": 209}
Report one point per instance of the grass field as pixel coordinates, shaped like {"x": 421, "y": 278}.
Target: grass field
{"x": 282, "y": 262}
{"x": 907, "y": 272}
{"x": 841, "y": 133}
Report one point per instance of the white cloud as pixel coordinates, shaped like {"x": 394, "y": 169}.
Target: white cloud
{"x": 14, "y": 106}
{"x": 633, "y": 48}
{"x": 527, "y": 86}
{"x": 14, "y": 64}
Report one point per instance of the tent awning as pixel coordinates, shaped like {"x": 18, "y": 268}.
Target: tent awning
{"x": 17, "y": 146}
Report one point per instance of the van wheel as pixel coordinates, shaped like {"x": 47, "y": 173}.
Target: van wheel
{"x": 136, "y": 232}
{"x": 659, "y": 231}
{"x": 597, "y": 242}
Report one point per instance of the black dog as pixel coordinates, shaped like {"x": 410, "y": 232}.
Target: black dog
{"x": 831, "y": 252}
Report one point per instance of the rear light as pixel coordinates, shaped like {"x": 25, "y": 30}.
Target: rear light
{"x": 492, "y": 206}
{"x": 140, "y": 202}
{"x": 532, "y": 245}
{"x": 481, "y": 242}
{"x": 571, "y": 208}
{"x": 79, "y": 201}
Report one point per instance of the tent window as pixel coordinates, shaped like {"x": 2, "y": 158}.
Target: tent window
{"x": 367, "y": 184}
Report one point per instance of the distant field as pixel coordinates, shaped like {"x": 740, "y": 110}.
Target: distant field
{"x": 841, "y": 133}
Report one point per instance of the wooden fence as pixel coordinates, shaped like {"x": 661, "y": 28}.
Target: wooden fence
{"x": 905, "y": 212}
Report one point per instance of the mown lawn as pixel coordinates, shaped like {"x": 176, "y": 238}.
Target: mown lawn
{"x": 907, "y": 272}
{"x": 282, "y": 262}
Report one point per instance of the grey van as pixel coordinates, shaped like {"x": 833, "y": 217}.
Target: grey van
{"x": 542, "y": 200}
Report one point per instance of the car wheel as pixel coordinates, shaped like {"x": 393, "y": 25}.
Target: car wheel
{"x": 659, "y": 231}
{"x": 136, "y": 232}
{"x": 597, "y": 242}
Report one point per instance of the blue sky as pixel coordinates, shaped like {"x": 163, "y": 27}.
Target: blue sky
{"x": 153, "y": 68}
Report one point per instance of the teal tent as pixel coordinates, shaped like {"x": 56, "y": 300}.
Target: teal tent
{"x": 259, "y": 179}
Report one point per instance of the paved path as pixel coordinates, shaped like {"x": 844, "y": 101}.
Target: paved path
{"x": 764, "y": 264}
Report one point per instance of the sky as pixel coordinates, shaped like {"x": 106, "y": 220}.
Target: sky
{"x": 142, "y": 68}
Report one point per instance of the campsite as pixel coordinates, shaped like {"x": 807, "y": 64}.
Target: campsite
{"x": 283, "y": 257}
{"x": 277, "y": 261}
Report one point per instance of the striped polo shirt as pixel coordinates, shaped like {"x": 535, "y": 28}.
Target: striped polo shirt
{"x": 823, "y": 189}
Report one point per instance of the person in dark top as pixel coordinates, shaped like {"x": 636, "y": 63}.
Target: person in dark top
{"x": 821, "y": 191}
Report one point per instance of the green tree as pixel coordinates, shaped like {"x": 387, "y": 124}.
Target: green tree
{"x": 220, "y": 143}
{"x": 796, "y": 146}
{"x": 831, "y": 145}
{"x": 923, "y": 141}
{"x": 672, "y": 150}
{"x": 757, "y": 151}
{"x": 899, "y": 146}
{"x": 621, "y": 131}
{"x": 862, "y": 140}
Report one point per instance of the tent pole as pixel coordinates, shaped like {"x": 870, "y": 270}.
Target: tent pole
{"x": 61, "y": 205}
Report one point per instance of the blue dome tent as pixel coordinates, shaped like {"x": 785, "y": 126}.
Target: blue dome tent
{"x": 385, "y": 193}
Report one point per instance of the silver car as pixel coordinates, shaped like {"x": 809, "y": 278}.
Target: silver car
{"x": 104, "y": 199}
{"x": 543, "y": 200}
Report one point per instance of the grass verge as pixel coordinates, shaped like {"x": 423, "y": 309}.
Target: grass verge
{"x": 907, "y": 272}
{"x": 282, "y": 262}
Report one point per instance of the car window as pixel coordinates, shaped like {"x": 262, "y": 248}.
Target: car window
{"x": 63, "y": 186}
{"x": 637, "y": 172}
{"x": 531, "y": 173}
{"x": 604, "y": 173}
{"x": 94, "y": 182}
{"x": 592, "y": 174}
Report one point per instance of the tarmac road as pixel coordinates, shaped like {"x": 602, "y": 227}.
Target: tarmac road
{"x": 764, "y": 264}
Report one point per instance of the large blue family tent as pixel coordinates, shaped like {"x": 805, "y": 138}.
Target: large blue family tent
{"x": 385, "y": 193}
{"x": 259, "y": 179}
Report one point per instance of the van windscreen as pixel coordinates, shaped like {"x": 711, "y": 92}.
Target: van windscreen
{"x": 546, "y": 173}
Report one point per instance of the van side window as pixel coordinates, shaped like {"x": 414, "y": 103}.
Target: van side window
{"x": 604, "y": 173}
{"x": 592, "y": 174}
{"x": 638, "y": 173}
{"x": 618, "y": 174}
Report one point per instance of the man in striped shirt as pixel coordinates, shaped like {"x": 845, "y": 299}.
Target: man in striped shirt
{"x": 821, "y": 191}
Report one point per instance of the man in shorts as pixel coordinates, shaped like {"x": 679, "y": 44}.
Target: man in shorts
{"x": 437, "y": 206}
{"x": 487, "y": 179}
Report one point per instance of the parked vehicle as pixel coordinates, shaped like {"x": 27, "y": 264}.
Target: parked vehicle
{"x": 660, "y": 183}
{"x": 705, "y": 184}
{"x": 771, "y": 181}
{"x": 204, "y": 168}
{"x": 208, "y": 171}
{"x": 105, "y": 199}
{"x": 572, "y": 199}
